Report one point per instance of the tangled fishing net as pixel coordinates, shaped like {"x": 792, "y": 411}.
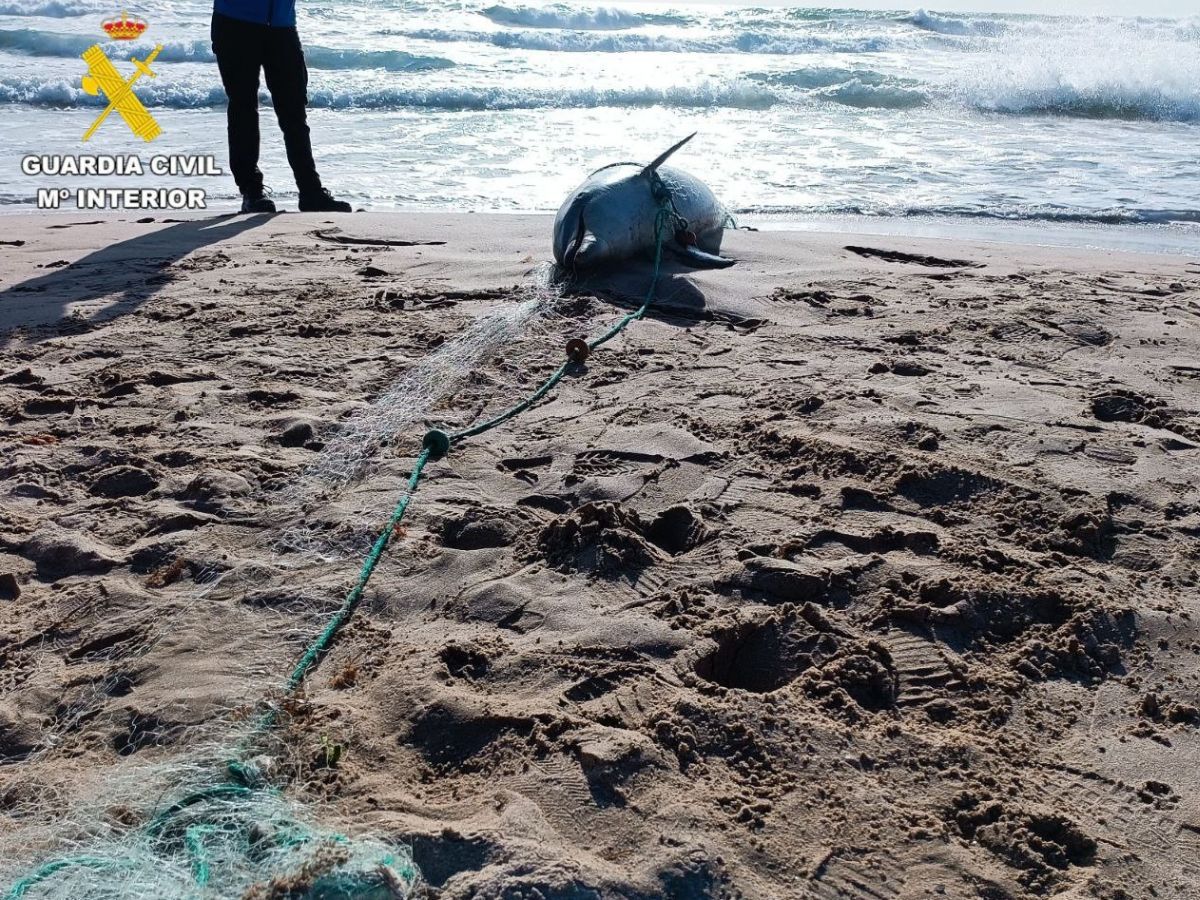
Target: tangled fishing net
{"x": 194, "y": 826}
{"x": 217, "y": 822}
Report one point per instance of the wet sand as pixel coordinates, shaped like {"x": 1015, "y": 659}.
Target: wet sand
{"x": 866, "y": 568}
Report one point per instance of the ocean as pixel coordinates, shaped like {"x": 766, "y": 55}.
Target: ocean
{"x": 801, "y": 112}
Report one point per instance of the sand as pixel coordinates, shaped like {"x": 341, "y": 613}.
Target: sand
{"x": 866, "y": 568}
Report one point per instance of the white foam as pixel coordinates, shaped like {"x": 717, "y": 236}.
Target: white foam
{"x": 865, "y": 95}
{"x": 559, "y": 16}
{"x": 1098, "y": 69}
{"x": 56, "y": 9}
{"x": 30, "y": 42}
{"x": 955, "y": 25}
{"x": 199, "y": 93}
{"x": 764, "y": 42}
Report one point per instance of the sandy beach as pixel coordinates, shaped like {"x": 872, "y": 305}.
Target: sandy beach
{"x": 867, "y": 568}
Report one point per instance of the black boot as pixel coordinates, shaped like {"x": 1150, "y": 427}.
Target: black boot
{"x": 322, "y": 201}
{"x": 257, "y": 203}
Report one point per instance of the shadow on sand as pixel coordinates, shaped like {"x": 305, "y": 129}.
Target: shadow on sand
{"x": 677, "y": 296}
{"x": 126, "y": 273}
{"x": 629, "y": 282}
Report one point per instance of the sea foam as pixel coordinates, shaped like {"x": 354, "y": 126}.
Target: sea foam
{"x": 54, "y": 9}
{"x": 30, "y": 42}
{"x": 859, "y": 87}
{"x": 564, "y": 17}
{"x": 1098, "y": 69}
{"x": 200, "y": 93}
{"x": 960, "y": 25}
{"x": 762, "y": 42}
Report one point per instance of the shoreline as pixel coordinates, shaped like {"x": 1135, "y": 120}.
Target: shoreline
{"x": 1175, "y": 238}
{"x": 491, "y": 247}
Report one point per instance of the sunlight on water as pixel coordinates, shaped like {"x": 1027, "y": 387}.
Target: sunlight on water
{"x": 801, "y": 111}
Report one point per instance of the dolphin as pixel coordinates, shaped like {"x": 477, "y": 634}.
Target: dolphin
{"x": 613, "y": 216}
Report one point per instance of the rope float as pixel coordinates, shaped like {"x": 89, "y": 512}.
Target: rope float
{"x": 244, "y": 778}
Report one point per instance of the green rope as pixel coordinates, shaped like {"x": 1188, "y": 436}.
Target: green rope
{"x": 243, "y": 780}
{"x": 514, "y": 411}
{"x": 194, "y": 841}
{"x": 22, "y": 887}
{"x": 326, "y": 637}
{"x": 663, "y": 216}
{"x": 160, "y": 822}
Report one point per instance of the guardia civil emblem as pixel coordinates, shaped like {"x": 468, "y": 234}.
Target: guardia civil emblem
{"x": 103, "y": 77}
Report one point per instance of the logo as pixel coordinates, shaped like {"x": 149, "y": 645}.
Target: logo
{"x": 124, "y": 28}
{"x": 103, "y": 77}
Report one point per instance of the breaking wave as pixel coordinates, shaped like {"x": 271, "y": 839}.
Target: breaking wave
{"x": 1097, "y": 68}
{"x": 819, "y": 77}
{"x": 861, "y": 88}
{"x": 591, "y": 42}
{"x": 40, "y": 43}
{"x": 559, "y": 16}
{"x": 53, "y": 9}
{"x": 865, "y": 95}
{"x": 1108, "y": 70}
{"x": 1116, "y": 72}
{"x": 389, "y": 60}
{"x": 732, "y": 94}
{"x": 941, "y": 23}
{"x": 1141, "y": 87}
{"x": 1133, "y": 103}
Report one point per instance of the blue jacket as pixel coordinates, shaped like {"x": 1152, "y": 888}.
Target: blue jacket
{"x": 264, "y": 12}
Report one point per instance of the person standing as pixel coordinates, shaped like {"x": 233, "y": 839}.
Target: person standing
{"x": 249, "y": 36}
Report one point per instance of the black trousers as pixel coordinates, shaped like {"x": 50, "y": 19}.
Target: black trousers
{"x": 242, "y": 49}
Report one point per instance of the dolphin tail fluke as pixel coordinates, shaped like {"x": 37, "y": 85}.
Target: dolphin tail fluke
{"x": 663, "y": 157}
{"x": 697, "y": 258}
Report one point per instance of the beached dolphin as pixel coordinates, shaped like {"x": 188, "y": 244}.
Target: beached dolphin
{"x": 612, "y": 216}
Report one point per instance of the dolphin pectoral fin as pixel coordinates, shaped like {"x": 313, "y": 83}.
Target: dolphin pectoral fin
{"x": 579, "y": 249}
{"x": 665, "y": 156}
{"x": 697, "y": 258}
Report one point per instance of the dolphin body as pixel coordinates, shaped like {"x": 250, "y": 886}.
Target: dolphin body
{"x": 612, "y": 216}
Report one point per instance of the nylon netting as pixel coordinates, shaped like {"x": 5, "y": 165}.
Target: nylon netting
{"x": 212, "y": 811}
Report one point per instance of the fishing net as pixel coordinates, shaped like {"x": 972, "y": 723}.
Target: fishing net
{"x": 193, "y": 826}
{"x": 214, "y": 814}
{"x": 466, "y": 371}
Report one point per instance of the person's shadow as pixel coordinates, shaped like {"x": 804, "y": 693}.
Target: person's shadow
{"x": 126, "y": 274}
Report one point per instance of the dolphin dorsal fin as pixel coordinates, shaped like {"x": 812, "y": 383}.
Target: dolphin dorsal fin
{"x": 663, "y": 157}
